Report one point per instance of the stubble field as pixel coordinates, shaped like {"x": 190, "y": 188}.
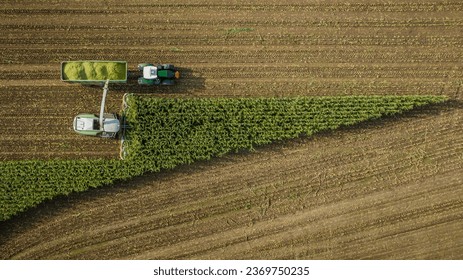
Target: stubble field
{"x": 389, "y": 189}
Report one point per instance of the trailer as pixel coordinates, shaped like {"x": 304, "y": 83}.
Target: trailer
{"x": 94, "y": 72}
{"x": 97, "y": 72}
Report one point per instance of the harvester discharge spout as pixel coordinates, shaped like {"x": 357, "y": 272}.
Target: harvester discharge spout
{"x": 103, "y": 101}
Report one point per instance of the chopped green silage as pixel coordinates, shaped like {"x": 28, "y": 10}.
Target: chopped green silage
{"x": 94, "y": 71}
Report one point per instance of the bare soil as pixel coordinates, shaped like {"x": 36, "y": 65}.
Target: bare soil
{"x": 390, "y": 189}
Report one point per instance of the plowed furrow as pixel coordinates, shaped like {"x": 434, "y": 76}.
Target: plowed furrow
{"x": 386, "y": 189}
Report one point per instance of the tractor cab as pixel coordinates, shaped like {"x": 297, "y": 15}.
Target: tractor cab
{"x": 161, "y": 74}
{"x": 150, "y": 72}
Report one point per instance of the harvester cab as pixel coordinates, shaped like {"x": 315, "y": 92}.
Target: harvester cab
{"x": 161, "y": 74}
{"x": 105, "y": 125}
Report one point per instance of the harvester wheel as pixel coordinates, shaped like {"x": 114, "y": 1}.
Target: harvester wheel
{"x": 160, "y": 67}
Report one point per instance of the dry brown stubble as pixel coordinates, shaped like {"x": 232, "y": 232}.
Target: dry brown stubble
{"x": 388, "y": 190}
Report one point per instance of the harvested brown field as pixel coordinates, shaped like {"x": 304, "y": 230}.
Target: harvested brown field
{"x": 391, "y": 189}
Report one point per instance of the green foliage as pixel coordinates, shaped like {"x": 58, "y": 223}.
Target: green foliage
{"x": 167, "y": 132}
{"x": 24, "y": 184}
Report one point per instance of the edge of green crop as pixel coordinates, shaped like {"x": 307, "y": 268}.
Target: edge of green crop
{"x": 27, "y": 183}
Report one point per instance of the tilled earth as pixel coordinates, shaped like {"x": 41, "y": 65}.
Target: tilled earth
{"x": 390, "y": 189}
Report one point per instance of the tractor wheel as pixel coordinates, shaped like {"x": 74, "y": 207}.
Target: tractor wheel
{"x": 167, "y": 82}
{"x": 168, "y": 67}
{"x": 143, "y": 65}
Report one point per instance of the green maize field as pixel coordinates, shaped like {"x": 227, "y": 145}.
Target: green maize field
{"x": 167, "y": 132}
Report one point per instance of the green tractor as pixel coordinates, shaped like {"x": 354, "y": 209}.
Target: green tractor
{"x": 105, "y": 125}
{"x": 161, "y": 74}
{"x": 96, "y": 72}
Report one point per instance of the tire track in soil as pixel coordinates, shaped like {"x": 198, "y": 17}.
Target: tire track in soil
{"x": 232, "y": 207}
